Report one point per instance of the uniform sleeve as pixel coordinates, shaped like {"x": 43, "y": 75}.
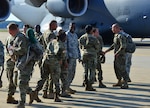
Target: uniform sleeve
{"x": 97, "y": 45}
{"x": 101, "y": 44}
{"x": 122, "y": 41}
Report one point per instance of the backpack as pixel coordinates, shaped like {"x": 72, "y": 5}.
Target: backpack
{"x": 35, "y": 52}
{"x": 38, "y": 50}
{"x": 130, "y": 47}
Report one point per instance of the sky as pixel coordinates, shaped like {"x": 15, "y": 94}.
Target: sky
{"x": 12, "y": 18}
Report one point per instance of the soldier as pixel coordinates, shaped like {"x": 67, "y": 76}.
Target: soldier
{"x": 25, "y": 27}
{"x": 64, "y": 65}
{"x": 1, "y": 62}
{"x": 73, "y": 53}
{"x": 128, "y": 58}
{"x": 90, "y": 46}
{"x": 20, "y": 49}
{"x": 39, "y": 36}
{"x": 99, "y": 55}
{"x": 10, "y": 65}
{"x": 48, "y": 36}
{"x": 119, "y": 46}
{"x": 51, "y": 63}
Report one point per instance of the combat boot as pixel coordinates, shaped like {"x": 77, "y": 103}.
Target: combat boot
{"x": 11, "y": 100}
{"x": 119, "y": 83}
{"x": 65, "y": 94}
{"x": 83, "y": 84}
{"x": 50, "y": 95}
{"x": 101, "y": 85}
{"x": 36, "y": 96}
{"x": 56, "y": 98}
{"x": 71, "y": 91}
{"x": 88, "y": 87}
{"x": 31, "y": 95}
{"x": 45, "y": 94}
{"x": 129, "y": 80}
{"x": 124, "y": 85}
{"x": 20, "y": 106}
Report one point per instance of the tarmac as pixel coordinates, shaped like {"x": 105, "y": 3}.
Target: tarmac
{"x": 137, "y": 96}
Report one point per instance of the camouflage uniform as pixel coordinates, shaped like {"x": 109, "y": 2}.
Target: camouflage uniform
{"x": 21, "y": 47}
{"x": 128, "y": 59}
{"x": 1, "y": 61}
{"x": 90, "y": 45}
{"x": 10, "y": 65}
{"x": 99, "y": 68}
{"x": 73, "y": 53}
{"x": 1, "y": 54}
{"x": 64, "y": 70}
{"x": 119, "y": 46}
{"x": 48, "y": 85}
{"x": 40, "y": 38}
{"x": 51, "y": 65}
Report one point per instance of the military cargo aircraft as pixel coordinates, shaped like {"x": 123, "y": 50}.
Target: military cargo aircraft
{"x": 132, "y": 15}
{"x": 4, "y": 10}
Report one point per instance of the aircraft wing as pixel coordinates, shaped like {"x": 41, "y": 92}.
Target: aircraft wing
{"x": 132, "y": 15}
{"x": 36, "y": 3}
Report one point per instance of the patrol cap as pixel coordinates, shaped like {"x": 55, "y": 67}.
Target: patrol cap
{"x": 88, "y": 28}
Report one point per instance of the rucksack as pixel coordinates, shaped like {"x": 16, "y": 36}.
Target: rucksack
{"x": 38, "y": 50}
{"x": 130, "y": 47}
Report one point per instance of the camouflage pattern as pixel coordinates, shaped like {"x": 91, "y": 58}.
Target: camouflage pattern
{"x": 128, "y": 62}
{"x": 90, "y": 46}
{"x": 64, "y": 67}
{"x": 73, "y": 53}
{"x": 21, "y": 47}
{"x": 48, "y": 36}
{"x": 10, "y": 65}
{"x": 1, "y": 54}
{"x": 52, "y": 65}
{"x": 99, "y": 67}
{"x": 48, "y": 85}
{"x": 1, "y": 62}
{"x": 40, "y": 38}
{"x": 119, "y": 46}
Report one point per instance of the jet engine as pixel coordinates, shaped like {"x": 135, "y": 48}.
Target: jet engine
{"x": 4, "y": 10}
{"x": 67, "y": 8}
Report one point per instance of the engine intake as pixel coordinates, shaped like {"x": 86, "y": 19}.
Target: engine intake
{"x": 67, "y": 8}
{"x": 4, "y": 10}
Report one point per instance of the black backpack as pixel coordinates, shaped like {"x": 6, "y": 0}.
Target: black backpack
{"x": 130, "y": 47}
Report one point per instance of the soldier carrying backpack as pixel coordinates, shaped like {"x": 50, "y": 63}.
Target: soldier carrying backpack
{"x": 130, "y": 48}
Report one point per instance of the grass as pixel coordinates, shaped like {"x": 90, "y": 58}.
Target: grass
{"x": 3, "y": 30}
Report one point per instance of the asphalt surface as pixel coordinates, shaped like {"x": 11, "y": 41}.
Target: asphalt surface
{"x": 137, "y": 96}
